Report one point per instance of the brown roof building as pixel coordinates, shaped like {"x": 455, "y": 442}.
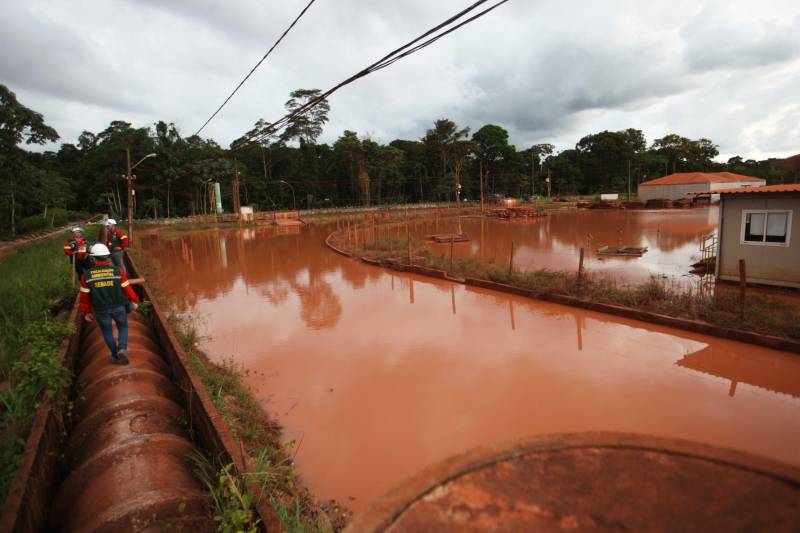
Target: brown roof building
{"x": 677, "y": 186}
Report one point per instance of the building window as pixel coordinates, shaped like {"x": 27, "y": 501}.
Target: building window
{"x": 766, "y": 227}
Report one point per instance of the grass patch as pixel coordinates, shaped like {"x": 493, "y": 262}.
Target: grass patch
{"x": 385, "y": 216}
{"x": 33, "y": 282}
{"x": 261, "y": 438}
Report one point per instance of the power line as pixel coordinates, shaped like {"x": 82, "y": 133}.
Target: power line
{"x": 390, "y": 58}
{"x": 256, "y": 66}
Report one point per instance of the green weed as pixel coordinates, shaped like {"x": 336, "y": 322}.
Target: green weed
{"x": 233, "y": 507}
{"x": 33, "y": 281}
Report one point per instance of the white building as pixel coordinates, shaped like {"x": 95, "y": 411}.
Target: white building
{"x": 756, "y": 225}
{"x": 675, "y": 186}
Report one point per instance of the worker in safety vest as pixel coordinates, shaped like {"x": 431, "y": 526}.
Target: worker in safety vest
{"x": 117, "y": 241}
{"x": 78, "y": 249}
{"x": 105, "y": 296}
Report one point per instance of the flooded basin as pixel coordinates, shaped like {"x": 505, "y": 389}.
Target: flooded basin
{"x": 554, "y": 242}
{"x": 376, "y": 374}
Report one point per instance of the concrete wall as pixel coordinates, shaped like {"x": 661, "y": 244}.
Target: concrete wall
{"x": 678, "y": 191}
{"x": 669, "y": 192}
{"x": 769, "y": 265}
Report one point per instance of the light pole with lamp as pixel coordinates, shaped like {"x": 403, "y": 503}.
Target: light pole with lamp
{"x": 294, "y": 201}
{"x": 130, "y": 179}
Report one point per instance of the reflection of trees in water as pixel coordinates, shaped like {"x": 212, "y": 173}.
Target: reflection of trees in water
{"x": 319, "y": 306}
{"x": 192, "y": 269}
{"x": 275, "y": 293}
{"x": 568, "y": 232}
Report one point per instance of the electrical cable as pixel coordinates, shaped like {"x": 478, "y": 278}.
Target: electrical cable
{"x": 390, "y": 58}
{"x": 256, "y": 66}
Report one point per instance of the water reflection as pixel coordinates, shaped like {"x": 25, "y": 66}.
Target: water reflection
{"x": 381, "y": 373}
{"x": 767, "y": 371}
{"x": 672, "y": 238}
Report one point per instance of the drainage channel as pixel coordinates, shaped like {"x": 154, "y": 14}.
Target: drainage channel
{"x": 128, "y": 455}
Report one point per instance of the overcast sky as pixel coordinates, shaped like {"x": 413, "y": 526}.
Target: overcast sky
{"x": 548, "y": 71}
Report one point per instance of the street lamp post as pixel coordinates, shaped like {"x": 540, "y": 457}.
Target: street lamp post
{"x": 294, "y": 202}
{"x": 129, "y": 177}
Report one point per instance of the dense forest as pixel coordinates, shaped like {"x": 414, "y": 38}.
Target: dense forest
{"x": 39, "y": 189}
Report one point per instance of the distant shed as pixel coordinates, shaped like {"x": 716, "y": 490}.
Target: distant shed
{"x": 676, "y": 186}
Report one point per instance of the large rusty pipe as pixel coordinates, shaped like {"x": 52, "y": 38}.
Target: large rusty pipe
{"x": 128, "y": 453}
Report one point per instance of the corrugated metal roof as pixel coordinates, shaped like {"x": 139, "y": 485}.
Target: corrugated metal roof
{"x": 789, "y": 187}
{"x": 684, "y": 178}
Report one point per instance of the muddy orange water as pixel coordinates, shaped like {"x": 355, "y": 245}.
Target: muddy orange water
{"x": 672, "y": 237}
{"x": 376, "y": 374}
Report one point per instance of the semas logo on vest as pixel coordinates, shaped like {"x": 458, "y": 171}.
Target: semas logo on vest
{"x": 104, "y": 285}
{"x": 102, "y": 277}
{"x": 101, "y": 274}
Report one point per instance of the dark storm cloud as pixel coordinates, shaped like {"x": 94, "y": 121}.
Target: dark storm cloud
{"x": 715, "y": 43}
{"x": 547, "y": 70}
{"x": 44, "y": 55}
{"x": 568, "y": 79}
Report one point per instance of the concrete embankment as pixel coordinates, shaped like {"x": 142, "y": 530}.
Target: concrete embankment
{"x": 696, "y": 326}
{"x": 595, "y": 480}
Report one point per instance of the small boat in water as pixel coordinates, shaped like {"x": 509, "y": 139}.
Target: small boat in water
{"x": 625, "y": 250}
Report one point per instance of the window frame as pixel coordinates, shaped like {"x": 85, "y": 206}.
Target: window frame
{"x": 766, "y": 213}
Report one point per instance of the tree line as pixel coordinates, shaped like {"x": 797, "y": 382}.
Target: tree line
{"x": 449, "y": 162}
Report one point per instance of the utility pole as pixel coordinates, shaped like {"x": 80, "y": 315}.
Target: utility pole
{"x": 629, "y": 180}
{"x": 533, "y": 169}
{"x": 549, "y": 182}
{"x": 236, "y": 200}
{"x": 480, "y": 173}
{"x": 129, "y": 177}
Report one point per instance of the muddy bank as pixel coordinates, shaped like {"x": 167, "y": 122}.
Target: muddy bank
{"x": 375, "y": 374}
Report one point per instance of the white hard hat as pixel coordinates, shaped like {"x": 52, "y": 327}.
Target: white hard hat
{"x": 100, "y": 250}
{"x": 111, "y": 222}
{"x": 76, "y": 229}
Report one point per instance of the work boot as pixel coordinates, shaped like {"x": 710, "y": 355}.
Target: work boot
{"x": 122, "y": 356}
{"x": 117, "y": 361}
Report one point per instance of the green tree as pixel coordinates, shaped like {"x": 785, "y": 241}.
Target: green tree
{"x": 18, "y": 124}
{"x": 536, "y": 155}
{"x": 307, "y": 122}
{"x": 414, "y": 167}
{"x": 443, "y": 139}
{"x": 491, "y": 146}
{"x": 685, "y": 154}
{"x": 606, "y": 158}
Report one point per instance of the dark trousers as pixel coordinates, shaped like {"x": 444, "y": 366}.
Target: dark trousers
{"x": 118, "y": 258}
{"x": 120, "y": 316}
{"x": 80, "y": 265}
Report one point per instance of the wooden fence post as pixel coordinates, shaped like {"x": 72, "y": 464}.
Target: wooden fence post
{"x": 511, "y": 260}
{"x": 580, "y": 269}
{"x": 451, "y": 252}
{"x": 408, "y": 242}
{"x": 742, "y": 286}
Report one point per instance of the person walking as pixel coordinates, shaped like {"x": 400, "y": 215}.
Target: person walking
{"x": 105, "y": 296}
{"x": 77, "y": 249}
{"x": 116, "y": 241}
